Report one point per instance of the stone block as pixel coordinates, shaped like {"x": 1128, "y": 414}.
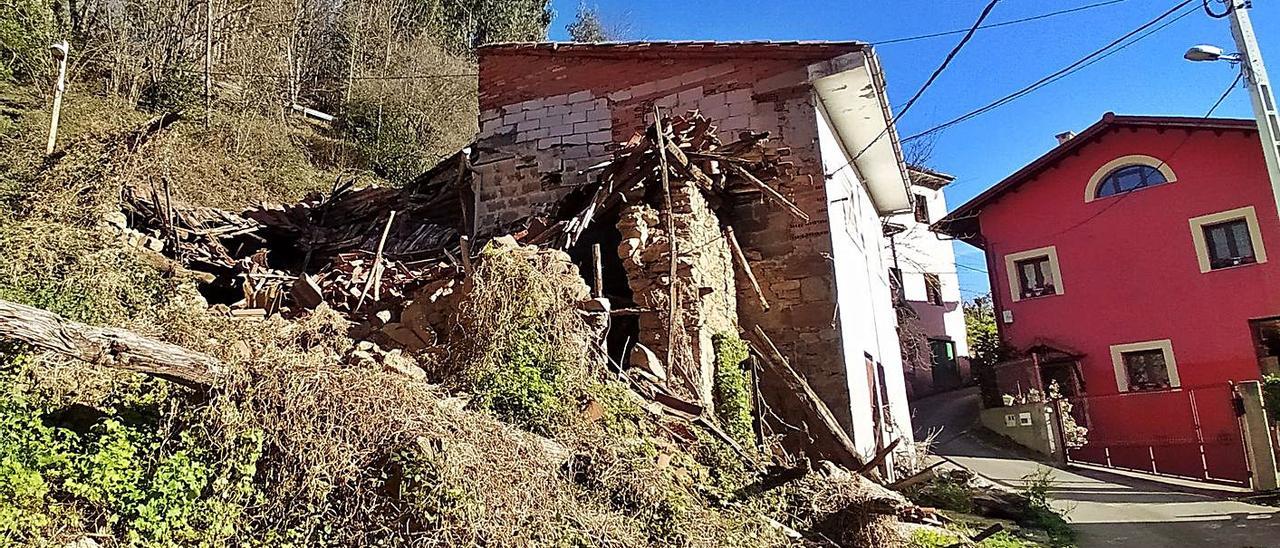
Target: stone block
{"x": 599, "y": 137}
{"x": 532, "y": 104}
{"x": 689, "y": 96}
{"x": 579, "y": 96}
{"x": 740, "y": 95}
{"x": 600, "y": 114}
{"x": 644, "y": 89}
{"x": 693, "y": 76}
{"x": 734, "y": 123}
{"x": 815, "y": 288}
{"x": 528, "y": 125}
{"x": 575, "y": 117}
{"x": 742, "y": 108}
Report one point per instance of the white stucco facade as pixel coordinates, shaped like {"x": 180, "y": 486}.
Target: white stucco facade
{"x": 922, "y": 256}
{"x": 867, "y": 321}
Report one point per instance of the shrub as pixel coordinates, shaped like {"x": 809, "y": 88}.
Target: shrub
{"x": 946, "y": 493}
{"x": 1271, "y": 396}
{"x": 732, "y": 386}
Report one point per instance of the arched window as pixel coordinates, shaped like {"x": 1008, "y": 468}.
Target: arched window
{"x": 1130, "y": 177}
{"x": 1127, "y": 174}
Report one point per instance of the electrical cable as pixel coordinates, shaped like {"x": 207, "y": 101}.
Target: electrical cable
{"x": 1209, "y": 11}
{"x": 1175, "y": 150}
{"x": 995, "y": 25}
{"x": 1091, "y": 58}
{"x": 946, "y": 61}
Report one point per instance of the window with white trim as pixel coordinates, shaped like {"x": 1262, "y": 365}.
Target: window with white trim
{"x": 1227, "y": 239}
{"x": 1127, "y": 178}
{"x": 1034, "y": 273}
{"x": 1145, "y": 366}
{"x": 1127, "y": 174}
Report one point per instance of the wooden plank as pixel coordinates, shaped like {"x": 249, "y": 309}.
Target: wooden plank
{"x": 847, "y": 453}
{"x": 670, "y": 226}
{"x": 464, "y": 247}
{"x": 375, "y": 273}
{"x": 769, "y": 191}
{"x": 880, "y": 456}
{"x": 741, "y": 259}
{"x": 597, "y": 281}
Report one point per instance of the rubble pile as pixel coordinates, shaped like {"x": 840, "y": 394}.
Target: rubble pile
{"x": 358, "y": 249}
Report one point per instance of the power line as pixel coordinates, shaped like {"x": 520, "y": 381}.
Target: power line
{"x": 936, "y": 73}
{"x": 1091, "y": 58}
{"x": 1162, "y": 163}
{"x": 996, "y": 25}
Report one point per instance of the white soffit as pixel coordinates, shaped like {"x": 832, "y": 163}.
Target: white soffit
{"x": 858, "y": 112}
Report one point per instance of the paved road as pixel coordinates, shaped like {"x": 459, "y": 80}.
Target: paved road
{"x": 1106, "y": 508}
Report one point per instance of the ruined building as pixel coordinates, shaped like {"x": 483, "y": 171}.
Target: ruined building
{"x": 549, "y": 115}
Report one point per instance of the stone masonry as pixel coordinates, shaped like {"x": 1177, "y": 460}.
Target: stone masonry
{"x": 705, "y": 291}
{"x": 549, "y": 110}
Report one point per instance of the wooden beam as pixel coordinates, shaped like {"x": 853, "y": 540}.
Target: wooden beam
{"x": 107, "y": 347}
{"x": 847, "y": 453}
{"x": 741, "y": 259}
{"x": 770, "y": 192}
{"x": 673, "y": 305}
{"x": 375, "y": 273}
{"x": 597, "y": 280}
{"x": 880, "y": 456}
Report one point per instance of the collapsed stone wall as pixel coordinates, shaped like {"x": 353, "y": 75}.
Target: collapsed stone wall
{"x": 791, "y": 258}
{"x": 705, "y": 293}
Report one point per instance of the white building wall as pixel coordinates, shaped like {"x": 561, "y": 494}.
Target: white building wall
{"x": 921, "y": 251}
{"x": 867, "y": 321}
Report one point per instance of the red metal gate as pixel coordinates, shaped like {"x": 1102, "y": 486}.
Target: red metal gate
{"x": 1189, "y": 432}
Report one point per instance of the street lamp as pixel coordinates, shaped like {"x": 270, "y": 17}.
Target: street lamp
{"x": 59, "y": 51}
{"x": 1206, "y": 52}
{"x": 1249, "y": 57}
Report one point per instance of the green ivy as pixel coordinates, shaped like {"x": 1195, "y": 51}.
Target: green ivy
{"x": 732, "y": 386}
{"x": 527, "y": 390}
{"x": 148, "y": 488}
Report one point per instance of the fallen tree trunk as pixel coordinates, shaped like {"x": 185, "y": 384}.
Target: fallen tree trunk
{"x": 106, "y": 346}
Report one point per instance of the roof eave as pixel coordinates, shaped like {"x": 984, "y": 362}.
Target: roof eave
{"x": 850, "y": 90}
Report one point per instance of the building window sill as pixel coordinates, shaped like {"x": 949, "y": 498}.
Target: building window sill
{"x": 1232, "y": 267}
{"x": 1038, "y": 297}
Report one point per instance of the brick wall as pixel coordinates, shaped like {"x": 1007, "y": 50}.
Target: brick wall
{"x": 549, "y": 113}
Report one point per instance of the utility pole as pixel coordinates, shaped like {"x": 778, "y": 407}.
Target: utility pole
{"x": 1264, "y": 103}
{"x": 60, "y": 52}
{"x": 208, "y": 62}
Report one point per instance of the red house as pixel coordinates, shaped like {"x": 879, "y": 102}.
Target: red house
{"x": 1137, "y": 264}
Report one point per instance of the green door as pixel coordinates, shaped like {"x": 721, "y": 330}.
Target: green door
{"x": 946, "y": 372}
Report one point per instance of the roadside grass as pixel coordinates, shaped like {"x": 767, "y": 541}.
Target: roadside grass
{"x": 1038, "y": 524}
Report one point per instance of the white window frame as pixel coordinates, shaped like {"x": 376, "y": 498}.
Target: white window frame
{"x": 1010, "y": 267}
{"x": 1091, "y": 189}
{"x": 1122, "y": 375}
{"x": 1246, "y": 214}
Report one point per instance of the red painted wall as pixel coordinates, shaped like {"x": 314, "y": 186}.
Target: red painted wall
{"x": 1128, "y": 263}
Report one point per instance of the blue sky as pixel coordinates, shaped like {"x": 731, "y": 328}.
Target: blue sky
{"x": 1149, "y": 77}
